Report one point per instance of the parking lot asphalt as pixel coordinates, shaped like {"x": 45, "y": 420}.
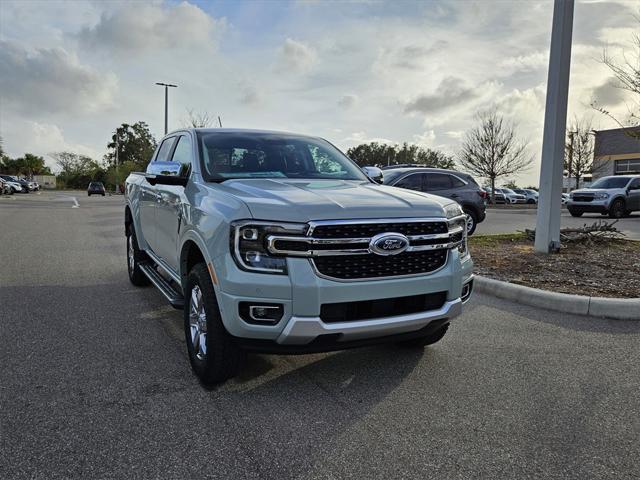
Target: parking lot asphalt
{"x": 95, "y": 382}
{"x": 508, "y": 220}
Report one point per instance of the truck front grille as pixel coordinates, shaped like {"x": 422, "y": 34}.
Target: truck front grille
{"x": 360, "y": 230}
{"x": 359, "y": 267}
{"x": 582, "y": 198}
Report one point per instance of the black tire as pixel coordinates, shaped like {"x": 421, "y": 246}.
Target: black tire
{"x": 223, "y": 358}
{"x": 575, "y": 213}
{"x": 103, "y": 194}
{"x": 617, "y": 208}
{"x": 88, "y": 194}
{"x": 531, "y": 201}
{"x": 426, "y": 340}
{"x": 472, "y": 220}
{"x": 136, "y": 276}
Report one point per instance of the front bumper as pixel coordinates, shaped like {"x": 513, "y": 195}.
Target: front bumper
{"x": 595, "y": 206}
{"x": 302, "y": 294}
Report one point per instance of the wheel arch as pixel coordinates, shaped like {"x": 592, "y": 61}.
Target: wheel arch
{"x": 193, "y": 252}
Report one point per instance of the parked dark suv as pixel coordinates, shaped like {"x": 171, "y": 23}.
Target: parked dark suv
{"x": 458, "y": 186}
{"x": 96, "y": 188}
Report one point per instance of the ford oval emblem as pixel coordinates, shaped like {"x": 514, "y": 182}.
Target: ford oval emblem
{"x": 388, "y": 244}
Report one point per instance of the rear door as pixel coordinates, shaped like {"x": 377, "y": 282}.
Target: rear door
{"x": 170, "y": 204}
{"x": 149, "y": 196}
{"x": 633, "y": 200}
{"x": 440, "y": 184}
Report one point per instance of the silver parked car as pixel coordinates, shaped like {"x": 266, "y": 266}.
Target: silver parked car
{"x": 616, "y": 196}
{"x": 511, "y": 196}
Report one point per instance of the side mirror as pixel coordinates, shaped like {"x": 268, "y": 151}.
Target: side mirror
{"x": 374, "y": 173}
{"x": 167, "y": 173}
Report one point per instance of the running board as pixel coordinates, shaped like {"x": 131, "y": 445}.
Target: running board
{"x": 175, "y": 298}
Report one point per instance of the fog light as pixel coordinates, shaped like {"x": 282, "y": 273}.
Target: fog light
{"x": 467, "y": 288}
{"x": 261, "y": 313}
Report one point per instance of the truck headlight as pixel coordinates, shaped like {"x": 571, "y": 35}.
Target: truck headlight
{"x": 249, "y": 248}
{"x": 458, "y": 219}
{"x": 601, "y": 196}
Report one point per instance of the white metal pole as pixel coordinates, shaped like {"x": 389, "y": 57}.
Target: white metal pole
{"x": 555, "y": 122}
{"x": 117, "y": 148}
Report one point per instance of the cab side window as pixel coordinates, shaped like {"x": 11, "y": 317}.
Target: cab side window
{"x": 165, "y": 149}
{"x": 635, "y": 184}
{"x": 183, "y": 152}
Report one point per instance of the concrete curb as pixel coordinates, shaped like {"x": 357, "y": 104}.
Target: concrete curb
{"x": 614, "y": 308}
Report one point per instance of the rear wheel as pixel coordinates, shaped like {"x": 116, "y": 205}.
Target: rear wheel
{"x": 472, "y": 220}
{"x": 617, "y": 209}
{"x": 427, "y": 340}
{"x": 213, "y": 353}
{"x": 134, "y": 257}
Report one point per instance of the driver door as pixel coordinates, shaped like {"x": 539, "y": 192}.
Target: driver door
{"x": 169, "y": 204}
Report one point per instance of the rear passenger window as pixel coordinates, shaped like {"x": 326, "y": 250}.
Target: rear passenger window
{"x": 438, "y": 181}
{"x": 456, "y": 182}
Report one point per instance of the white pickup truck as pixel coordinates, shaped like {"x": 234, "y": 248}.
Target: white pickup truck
{"x": 276, "y": 242}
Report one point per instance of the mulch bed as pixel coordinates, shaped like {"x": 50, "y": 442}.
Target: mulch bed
{"x": 606, "y": 268}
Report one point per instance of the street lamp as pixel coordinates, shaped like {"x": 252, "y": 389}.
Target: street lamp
{"x": 166, "y": 103}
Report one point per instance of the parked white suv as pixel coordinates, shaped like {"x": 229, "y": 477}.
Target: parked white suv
{"x": 616, "y": 196}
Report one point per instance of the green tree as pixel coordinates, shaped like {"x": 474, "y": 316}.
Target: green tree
{"x": 134, "y": 144}
{"x": 511, "y": 184}
{"x": 381, "y": 154}
{"x": 76, "y": 171}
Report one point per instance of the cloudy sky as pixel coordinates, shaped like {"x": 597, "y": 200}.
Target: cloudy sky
{"x": 71, "y": 71}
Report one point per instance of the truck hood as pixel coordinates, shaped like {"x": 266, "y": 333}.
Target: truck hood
{"x": 305, "y": 200}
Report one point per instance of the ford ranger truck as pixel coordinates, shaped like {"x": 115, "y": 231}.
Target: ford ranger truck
{"x": 279, "y": 243}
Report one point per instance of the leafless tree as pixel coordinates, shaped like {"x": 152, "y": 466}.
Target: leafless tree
{"x": 492, "y": 149}
{"x": 578, "y": 158}
{"x": 626, "y": 72}
{"x": 199, "y": 119}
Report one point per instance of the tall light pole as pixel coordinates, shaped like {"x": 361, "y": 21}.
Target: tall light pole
{"x": 555, "y": 124}
{"x": 166, "y": 103}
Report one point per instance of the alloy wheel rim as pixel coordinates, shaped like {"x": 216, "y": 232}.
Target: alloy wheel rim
{"x": 130, "y": 253}
{"x": 469, "y": 223}
{"x": 198, "y": 323}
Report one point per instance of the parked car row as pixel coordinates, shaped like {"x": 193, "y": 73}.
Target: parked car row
{"x": 12, "y": 184}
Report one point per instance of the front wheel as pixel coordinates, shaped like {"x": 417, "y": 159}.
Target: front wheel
{"x": 472, "y": 220}
{"x": 617, "y": 209}
{"x": 427, "y": 340}
{"x": 213, "y": 353}
{"x": 575, "y": 213}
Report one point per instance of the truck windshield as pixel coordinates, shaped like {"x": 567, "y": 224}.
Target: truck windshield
{"x": 269, "y": 155}
{"x": 611, "y": 182}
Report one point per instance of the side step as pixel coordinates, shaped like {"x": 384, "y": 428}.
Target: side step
{"x": 175, "y": 298}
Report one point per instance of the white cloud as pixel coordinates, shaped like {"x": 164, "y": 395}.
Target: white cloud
{"x": 425, "y": 139}
{"x": 43, "y": 139}
{"x": 138, "y": 27}
{"x": 296, "y": 56}
{"x": 348, "y": 101}
{"x": 52, "y": 80}
{"x": 450, "y": 92}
